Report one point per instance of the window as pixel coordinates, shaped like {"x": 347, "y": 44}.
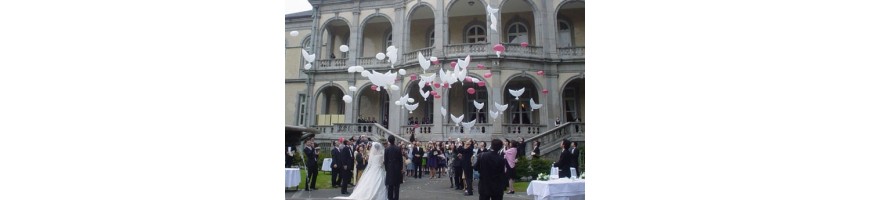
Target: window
{"x": 388, "y": 41}
{"x": 475, "y": 34}
{"x": 471, "y": 112}
{"x": 301, "y": 109}
{"x": 431, "y": 41}
{"x": 517, "y": 33}
{"x": 565, "y": 34}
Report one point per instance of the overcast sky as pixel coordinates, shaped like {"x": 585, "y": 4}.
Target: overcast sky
{"x": 293, "y": 6}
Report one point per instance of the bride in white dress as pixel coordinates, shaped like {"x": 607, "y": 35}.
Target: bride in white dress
{"x": 371, "y": 183}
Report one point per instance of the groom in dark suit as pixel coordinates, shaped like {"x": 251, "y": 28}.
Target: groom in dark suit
{"x": 345, "y": 164}
{"x": 493, "y": 178}
{"x": 393, "y": 165}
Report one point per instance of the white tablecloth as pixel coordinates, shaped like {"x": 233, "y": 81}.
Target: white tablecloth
{"x": 292, "y": 176}
{"x": 561, "y": 189}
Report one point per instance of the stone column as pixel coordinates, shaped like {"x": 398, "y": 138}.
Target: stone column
{"x": 552, "y": 106}
{"x": 441, "y": 35}
{"x": 399, "y": 34}
{"x": 493, "y": 37}
{"x": 497, "y": 96}
{"x": 548, "y": 29}
{"x": 354, "y": 38}
{"x": 309, "y": 83}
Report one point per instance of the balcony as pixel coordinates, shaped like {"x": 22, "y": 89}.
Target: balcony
{"x": 328, "y": 64}
{"x": 572, "y": 52}
{"x": 424, "y": 129}
{"x": 462, "y": 50}
{"x": 515, "y": 50}
{"x": 372, "y": 62}
{"x": 523, "y": 129}
{"x": 411, "y": 57}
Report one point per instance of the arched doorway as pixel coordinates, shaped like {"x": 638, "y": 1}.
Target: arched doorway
{"x": 519, "y": 116}
{"x": 330, "y": 108}
{"x": 462, "y": 103}
{"x": 374, "y": 106}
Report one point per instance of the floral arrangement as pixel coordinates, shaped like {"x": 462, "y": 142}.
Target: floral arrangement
{"x": 543, "y": 177}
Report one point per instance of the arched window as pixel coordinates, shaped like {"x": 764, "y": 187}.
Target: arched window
{"x": 306, "y": 44}
{"x": 431, "y": 40}
{"x": 517, "y": 33}
{"x": 475, "y": 34}
{"x": 565, "y": 34}
{"x": 388, "y": 41}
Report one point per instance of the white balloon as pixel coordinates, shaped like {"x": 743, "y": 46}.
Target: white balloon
{"x": 391, "y": 48}
{"x": 347, "y": 98}
{"x": 394, "y": 87}
{"x": 294, "y": 33}
{"x": 353, "y": 88}
{"x": 308, "y": 66}
{"x": 343, "y": 48}
{"x": 380, "y": 56}
{"x": 398, "y": 103}
{"x": 433, "y": 59}
{"x": 410, "y": 100}
{"x": 360, "y": 68}
{"x": 402, "y": 72}
{"x": 365, "y": 73}
{"x": 351, "y": 69}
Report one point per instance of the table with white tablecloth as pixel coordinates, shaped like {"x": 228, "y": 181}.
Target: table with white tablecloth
{"x": 292, "y": 177}
{"x": 559, "y": 189}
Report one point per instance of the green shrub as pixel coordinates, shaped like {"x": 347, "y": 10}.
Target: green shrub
{"x": 531, "y": 168}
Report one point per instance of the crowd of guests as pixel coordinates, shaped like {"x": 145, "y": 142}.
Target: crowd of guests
{"x": 492, "y": 164}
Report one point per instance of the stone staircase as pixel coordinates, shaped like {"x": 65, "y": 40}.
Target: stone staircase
{"x": 551, "y": 139}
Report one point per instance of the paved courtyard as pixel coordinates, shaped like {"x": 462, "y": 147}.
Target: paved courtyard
{"x": 423, "y": 189}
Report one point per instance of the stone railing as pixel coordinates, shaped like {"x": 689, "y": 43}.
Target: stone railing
{"x": 572, "y": 52}
{"x": 337, "y": 63}
{"x": 376, "y": 131}
{"x": 550, "y": 140}
{"x": 452, "y": 129}
{"x": 372, "y": 62}
{"x": 411, "y": 57}
{"x": 523, "y": 129}
{"x": 424, "y": 129}
{"x": 461, "y": 50}
{"x": 515, "y": 50}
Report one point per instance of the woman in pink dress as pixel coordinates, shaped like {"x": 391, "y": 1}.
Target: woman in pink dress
{"x": 511, "y": 156}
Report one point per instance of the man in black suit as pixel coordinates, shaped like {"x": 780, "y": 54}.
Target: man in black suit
{"x": 491, "y": 166}
{"x": 536, "y": 149}
{"x": 418, "y": 160}
{"x": 310, "y": 165}
{"x": 336, "y": 179}
{"x": 575, "y": 158}
{"x": 521, "y": 148}
{"x": 345, "y": 165}
{"x": 467, "y": 151}
{"x": 457, "y": 167}
{"x": 564, "y": 163}
{"x": 393, "y": 163}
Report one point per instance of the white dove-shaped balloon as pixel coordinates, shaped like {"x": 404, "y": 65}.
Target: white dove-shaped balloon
{"x": 463, "y": 63}
{"x": 500, "y": 107}
{"x": 456, "y": 120}
{"x": 424, "y": 94}
{"x": 393, "y": 54}
{"x": 492, "y": 18}
{"x": 478, "y": 105}
{"x": 493, "y": 115}
{"x": 517, "y": 93}
{"x": 308, "y": 57}
{"x": 468, "y": 125}
{"x": 424, "y": 63}
{"x": 534, "y": 105}
{"x": 411, "y": 107}
{"x": 443, "y": 112}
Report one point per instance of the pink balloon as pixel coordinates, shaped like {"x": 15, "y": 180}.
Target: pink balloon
{"x": 446, "y": 85}
{"x": 498, "y": 47}
{"x": 540, "y": 73}
{"x": 468, "y": 79}
{"x": 437, "y": 96}
{"x": 436, "y": 62}
{"x": 452, "y": 64}
{"x": 437, "y": 85}
{"x": 470, "y": 91}
{"x": 545, "y": 91}
{"x": 433, "y": 92}
{"x": 487, "y": 75}
{"x": 480, "y": 66}
{"x": 413, "y": 77}
{"x": 374, "y": 87}
{"x": 524, "y": 44}
{"x": 481, "y": 83}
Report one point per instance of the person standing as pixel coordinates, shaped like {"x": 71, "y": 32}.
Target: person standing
{"x": 432, "y": 160}
{"x": 536, "y": 150}
{"x": 457, "y": 167}
{"x": 360, "y": 161}
{"x": 564, "y": 163}
{"x": 575, "y": 158}
{"x": 310, "y": 165}
{"x": 492, "y": 172}
{"x": 510, "y": 155}
{"x": 418, "y": 161}
{"x": 336, "y": 179}
{"x": 467, "y": 152}
{"x": 345, "y": 166}
{"x": 393, "y": 166}
{"x": 521, "y": 148}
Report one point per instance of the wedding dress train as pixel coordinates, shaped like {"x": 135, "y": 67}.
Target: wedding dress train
{"x": 370, "y": 185}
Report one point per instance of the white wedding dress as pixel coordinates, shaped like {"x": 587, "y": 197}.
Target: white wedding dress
{"x": 371, "y": 184}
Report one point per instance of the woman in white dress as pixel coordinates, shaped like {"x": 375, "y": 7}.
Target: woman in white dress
{"x": 371, "y": 185}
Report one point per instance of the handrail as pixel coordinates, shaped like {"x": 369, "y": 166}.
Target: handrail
{"x": 563, "y": 129}
{"x": 391, "y": 133}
